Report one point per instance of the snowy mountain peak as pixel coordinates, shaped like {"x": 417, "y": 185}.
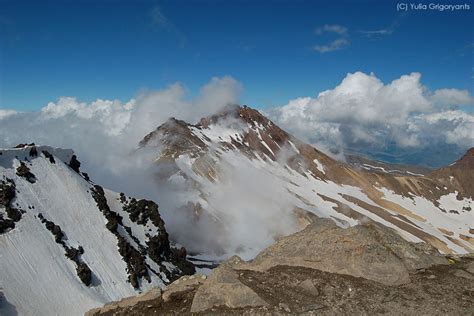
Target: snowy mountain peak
{"x": 67, "y": 244}
{"x": 242, "y": 172}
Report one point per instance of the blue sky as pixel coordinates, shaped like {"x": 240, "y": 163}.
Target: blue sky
{"x": 113, "y": 49}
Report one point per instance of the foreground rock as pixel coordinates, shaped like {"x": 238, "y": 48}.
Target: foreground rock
{"x": 223, "y": 288}
{"x": 327, "y": 270}
{"x": 369, "y": 251}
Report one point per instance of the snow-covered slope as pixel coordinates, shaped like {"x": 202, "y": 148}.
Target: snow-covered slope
{"x": 67, "y": 245}
{"x": 249, "y": 182}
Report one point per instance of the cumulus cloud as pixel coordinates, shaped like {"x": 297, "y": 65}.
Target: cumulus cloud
{"x": 449, "y": 97}
{"x": 104, "y": 129}
{"x": 454, "y": 126}
{"x": 362, "y": 110}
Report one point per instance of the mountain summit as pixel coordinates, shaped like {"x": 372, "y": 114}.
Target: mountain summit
{"x": 245, "y": 176}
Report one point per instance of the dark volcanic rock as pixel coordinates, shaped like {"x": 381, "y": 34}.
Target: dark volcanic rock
{"x": 24, "y": 172}
{"x": 74, "y": 164}
{"x": 13, "y": 213}
{"x": 85, "y": 176}
{"x": 7, "y": 194}
{"x": 113, "y": 219}
{"x": 74, "y": 254}
{"x": 6, "y": 224}
{"x": 49, "y": 156}
{"x": 136, "y": 265}
{"x": 33, "y": 152}
{"x": 84, "y": 273}
{"x": 157, "y": 247}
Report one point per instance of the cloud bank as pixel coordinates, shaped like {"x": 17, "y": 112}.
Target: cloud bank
{"x": 102, "y": 130}
{"x": 362, "y": 111}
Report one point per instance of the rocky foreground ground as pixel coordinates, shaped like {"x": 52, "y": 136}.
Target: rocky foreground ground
{"x": 324, "y": 270}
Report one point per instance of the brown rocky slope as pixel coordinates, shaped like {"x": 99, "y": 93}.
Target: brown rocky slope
{"x": 324, "y": 269}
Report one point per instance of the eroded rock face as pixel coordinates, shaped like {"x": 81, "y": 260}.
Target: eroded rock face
{"x": 223, "y": 288}
{"x": 370, "y": 251}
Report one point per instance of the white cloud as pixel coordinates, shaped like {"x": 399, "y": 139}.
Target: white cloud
{"x": 456, "y": 127}
{"x": 6, "y": 113}
{"x": 331, "y": 28}
{"x": 364, "y": 110}
{"x": 387, "y": 31}
{"x": 102, "y": 130}
{"x": 383, "y": 31}
{"x": 446, "y": 97}
{"x": 224, "y": 90}
{"x": 337, "y": 44}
